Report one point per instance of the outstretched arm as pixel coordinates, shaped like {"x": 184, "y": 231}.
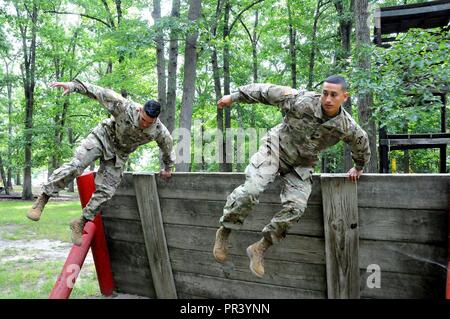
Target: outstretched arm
{"x": 360, "y": 151}
{"x": 259, "y": 93}
{"x": 111, "y": 100}
{"x": 165, "y": 143}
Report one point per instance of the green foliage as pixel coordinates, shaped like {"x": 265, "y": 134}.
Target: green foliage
{"x": 121, "y": 55}
{"x": 405, "y": 77}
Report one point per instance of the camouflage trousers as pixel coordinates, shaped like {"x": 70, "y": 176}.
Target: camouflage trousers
{"x": 107, "y": 178}
{"x": 264, "y": 167}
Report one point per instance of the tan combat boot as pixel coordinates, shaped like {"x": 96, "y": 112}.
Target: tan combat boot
{"x": 221, "y": 244}
{"x": 256, "y": 254}
{"x": 36, "y": 210}
{"x": 77, "y": 226}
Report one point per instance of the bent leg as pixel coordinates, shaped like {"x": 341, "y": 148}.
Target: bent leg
{"x": 294, "y": 198}
{"x": 89, "y": 150}
{"x": 262, "y": 170}
{"x": 107, "y": 180}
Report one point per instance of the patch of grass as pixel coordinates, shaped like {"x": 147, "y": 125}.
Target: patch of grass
{"x": 29, "y": 278}
{"x": 35, "y": 280}
{"x": 53, "y": 225}
{"x": 36, "y": 190}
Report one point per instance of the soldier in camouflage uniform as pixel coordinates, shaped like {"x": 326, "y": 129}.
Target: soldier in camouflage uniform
{"x": 112, "y": 140}
{"x": 312, "y": 122}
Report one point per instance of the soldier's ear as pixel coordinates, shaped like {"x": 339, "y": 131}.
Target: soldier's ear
{"x": 345, "y": 96}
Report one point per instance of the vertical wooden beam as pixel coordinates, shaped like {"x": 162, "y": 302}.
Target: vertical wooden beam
{"x": 447, "y": 294}
{"x": 154, "y": 236}
{"x": 383, "y": 150}
{"x": 443, "y": 148}
{"x": 340, "y": 216}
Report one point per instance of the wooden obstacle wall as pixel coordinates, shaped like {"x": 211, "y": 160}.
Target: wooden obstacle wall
{"x": 161, "y": 235}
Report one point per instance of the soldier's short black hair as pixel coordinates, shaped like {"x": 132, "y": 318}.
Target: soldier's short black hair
{"x": 152, "y": 108}
{"x": 337, "y": 79}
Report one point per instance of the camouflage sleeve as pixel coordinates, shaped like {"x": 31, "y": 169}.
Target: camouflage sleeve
{"x": 165, "y": 143}
{"x": 112, "y": 101}
{"x": 264, "y": 93}
{"x": 359, "y": 145}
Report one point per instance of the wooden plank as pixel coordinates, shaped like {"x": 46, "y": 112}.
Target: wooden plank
{"x": 217, "y": 186}
{"x": 126, "y": 186}
{"x": 135, "y": 287}
{"x": 293, "y": 248}
{"x": 154, "y": 236}
{"x": 130, "y": 268}
{"x": 403, "y": 257}
{"x": 415, "y": 141}
{"x": 289, "y": 274}
{"x": 219, "y": 288}
{"x": 128, "y": 253}
{"x": 406, "y": 225}
{"x": 122, "y": 207}
{"x": 408, "y": 258}
{"x": 447, "y": 295}
{"x": 340, "y": 214}
{"x": 414, "y": 191}
{"x": 207, "y": 213}
{"x": 189, "y": 296}
{"x": 404, "y": 286}
{"x": 123, "y": 230}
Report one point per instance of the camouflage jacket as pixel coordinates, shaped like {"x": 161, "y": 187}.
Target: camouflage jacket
{"x": 120, "y": 134}
{"x": 305, "y": 130}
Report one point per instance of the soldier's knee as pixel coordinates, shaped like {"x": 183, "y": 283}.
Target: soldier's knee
{"x": 252, "y": 189}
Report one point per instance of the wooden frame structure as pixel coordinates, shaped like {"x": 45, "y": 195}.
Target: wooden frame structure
{"x": 398, "y": 19}
{"x": 160, "y": 238}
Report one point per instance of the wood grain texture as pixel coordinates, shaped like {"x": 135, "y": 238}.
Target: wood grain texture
{"x": 340, "y": 215}
{"x": 154, "y": 236}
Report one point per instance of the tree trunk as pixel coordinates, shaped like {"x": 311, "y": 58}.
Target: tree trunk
{"x": 29, "y": 55}
{"x": 312, "y": 56}
{"x": 18, "y": 180}
{"x": 226, "y": 166}
{"x": 254, "y": 48}
{"x": 217, "y": 84}
{"x": 218, "y": 92}
{"x": 190, "y": 65}
{"x": 160, "y": 59}
{"x": 292, "y": 47}
{"x": 9, "y": 156}
{"x": 71, "y": 186}
{"x": 172, "y": 72}
{"x": 365, "y": 101}
{"x": 3, "y": 175}
{"x": 342, "y": 53}
{"x": 344, "y": 31}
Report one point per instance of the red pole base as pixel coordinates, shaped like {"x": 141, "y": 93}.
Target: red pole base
{"x": 93, "y": 237}
{"x": 99, "y": 248}
{"x": 66, "y": 280}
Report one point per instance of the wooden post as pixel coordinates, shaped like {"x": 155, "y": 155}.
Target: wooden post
{"x": 340, "y": 215}
{"x": 447, "y": 294}
{"x": 443, "y": 148}
{"x": 154, "y": 236}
